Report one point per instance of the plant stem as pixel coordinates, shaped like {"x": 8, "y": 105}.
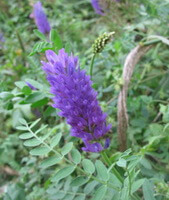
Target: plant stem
{"x": 21, "y": 45}
{"x": 105, "y": 157}
{"x": 150, "y": 42}
{"x": 108, "y": 162}
{"x": 128, "y": 173}
{"x": 70, "y": 162}
{"x": 20, "y": 41}
{"x": 116, "y": 173}
{"x": 91, "y": 65}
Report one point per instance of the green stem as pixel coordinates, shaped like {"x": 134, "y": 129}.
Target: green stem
{"x": 116, "y": 173}
{"x": 150, "y": 42}
{"x": 129, "y": 181}
{"x": 91, "y": 65}
{"x": 20, "y": 41}
{"x": 114, "y": 170}
{"x": 79, "y": 168}
{"x": 21, "y": 45}
{"x": 106, "y": 159}
{"x": 108, "y": 162}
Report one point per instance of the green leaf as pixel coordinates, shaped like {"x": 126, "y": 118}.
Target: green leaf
{"x": 36, "y": 96}
{"x": 26, "y": 136}
{"x": 68, "y": 47}
{"x": 35, "y": 122}
{"x": 62, "y": 173}
{"x": 134, "y": 160}
{"x": 20, "y": 84}
{"x": 40, "y": 103}
{"x": 23, "y": 121}
{"x": 49, "y": 132}
{"x": 137, "y": 184}
{"x": 39, "y": 34}
{"x": 90, "y": 187}
{"x": 124, "y": 193}
{"x": 26, "y": 90}
{"x": 122, "y": 163}
{"x": 40, "y": 47}
{"x": 50, "y": 111}
{"x": 101, "y": 171}
{"x": 76, "y": 156}
{"x": 148, "y": 192}
{"x": 81, "y": 197}
{"x": 55, "y": 140}
{"x": 67, "y": 148}
{"x": 6, "y": 96}
{"x": 50, "y": 161}
{"x": 55, "y": 39}
{"x": 22, "y": 128}
{"x": 88, "y": 166}
{"x": 115, "y": 181}
{"x": 16, "y": 115}
{"x": 79, "y": 181}
{"x": 35, "y": 84}
{"x": 163, "y": 39}
{"x": 32, "y": 142}
{"x": 165, "y": 127}
{"x": 9, "y": 105}
{"x": 41, "y": 128}
{"x": 100, "y": 193}
{"x": 14, "y": 192}
{"x": 69, "y": 197}
{"x": 126, "y": 153}
{"x": 145, "y": 162}
{"x": 39, "y": 151}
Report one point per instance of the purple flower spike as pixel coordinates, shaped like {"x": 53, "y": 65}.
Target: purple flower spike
{"x": 2, "y": 40}
{"x": 31, "y": 86}
{"x": 98, "y": 9}
{"x": 76, "y": 99}
{"x": 95, "y": 147}
{"x": 40, "y": 18}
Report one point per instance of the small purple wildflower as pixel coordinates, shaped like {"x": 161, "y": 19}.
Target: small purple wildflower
{"x": 40, "y": 18}
{"x": 2, "y": 40}
{"x": 2, "y": 37}
{"x": 76, "y": 99}
{"x": 98, "y": 9}
{"x": 31, "y": 86}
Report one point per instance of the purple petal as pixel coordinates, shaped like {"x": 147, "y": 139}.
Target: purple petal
{"x": 31, "y": 86}
{"x": 97, "y": 7}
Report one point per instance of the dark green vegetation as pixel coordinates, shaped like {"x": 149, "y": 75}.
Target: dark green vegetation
{"x": 31, "y": 172}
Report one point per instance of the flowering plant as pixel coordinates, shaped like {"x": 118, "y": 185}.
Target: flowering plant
{"x": 78, "y": 115}
{"x": 40, "y": 18}
{"x": 76, "y": 99}
{"x": 72, "y": 93}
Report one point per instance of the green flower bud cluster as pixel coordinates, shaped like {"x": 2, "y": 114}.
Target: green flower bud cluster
{"x": 101, "y": 42}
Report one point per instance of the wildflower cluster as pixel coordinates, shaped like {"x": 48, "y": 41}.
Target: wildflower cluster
{"x": 101, "y": 42}
{"x": 40, "y": 18}
{"x": 97, "y": 7}
{"x": 76, "y": 99}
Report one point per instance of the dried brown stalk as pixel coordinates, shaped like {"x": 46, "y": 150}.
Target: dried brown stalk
{"x": 131, "y": 60}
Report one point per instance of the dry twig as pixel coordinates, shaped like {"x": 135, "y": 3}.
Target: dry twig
{"x": 132, "y": 59}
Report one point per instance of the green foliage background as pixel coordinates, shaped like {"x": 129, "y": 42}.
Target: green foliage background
{"x": 49, "y": 163}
